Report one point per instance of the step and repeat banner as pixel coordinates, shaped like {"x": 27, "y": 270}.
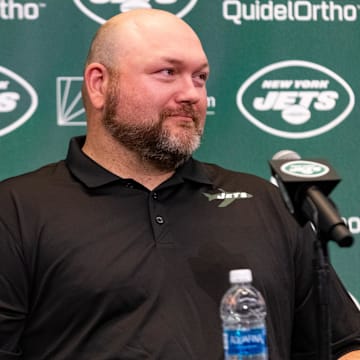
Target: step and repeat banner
{"x": 285, "y": 75}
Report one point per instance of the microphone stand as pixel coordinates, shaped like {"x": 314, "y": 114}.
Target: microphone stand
{"x": 308, "y": 203}
{"x": 322, "y": 274}
{"x": 328, "y": 226}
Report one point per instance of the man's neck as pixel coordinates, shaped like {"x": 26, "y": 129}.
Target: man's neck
{"x": 124, "y": 163}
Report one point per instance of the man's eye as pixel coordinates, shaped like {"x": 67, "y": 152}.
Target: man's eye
{"x": 202, "y": 76}
{"x": 168, "y": 71}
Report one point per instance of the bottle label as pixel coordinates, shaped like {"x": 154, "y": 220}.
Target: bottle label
{"x": 245, "y": 341}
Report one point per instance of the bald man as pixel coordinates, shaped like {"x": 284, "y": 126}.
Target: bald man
{"x": 122, "y": 250}
{"x": 145, "y": 95}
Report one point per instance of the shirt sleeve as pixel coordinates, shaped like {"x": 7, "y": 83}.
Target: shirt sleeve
{"x": 344, "y": 315}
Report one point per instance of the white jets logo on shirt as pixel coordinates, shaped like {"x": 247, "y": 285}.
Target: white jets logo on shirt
{"x": 227, "y": 197}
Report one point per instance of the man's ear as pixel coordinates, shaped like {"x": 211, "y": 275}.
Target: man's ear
{"x": 96, "y": 78}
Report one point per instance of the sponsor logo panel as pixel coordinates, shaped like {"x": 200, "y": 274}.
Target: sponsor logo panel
{"x": 241, "y": 12}
{"x": 295, "y": 99}
{"x": 18, "y": 101}
{"x": 69, "y": 107}
{"x": 101, "y": 10}
{"x": 16, "y": 10}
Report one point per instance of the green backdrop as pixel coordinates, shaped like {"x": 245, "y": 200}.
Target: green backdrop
{"x": 284, "y": 76}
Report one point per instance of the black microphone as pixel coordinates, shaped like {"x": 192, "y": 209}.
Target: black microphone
{"x": 305, "y": 186}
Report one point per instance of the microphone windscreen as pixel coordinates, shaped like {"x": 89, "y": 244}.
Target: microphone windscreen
{"x": 286, "y": 155}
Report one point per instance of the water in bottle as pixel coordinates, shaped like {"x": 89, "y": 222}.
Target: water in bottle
{"x": 243, "y": 314}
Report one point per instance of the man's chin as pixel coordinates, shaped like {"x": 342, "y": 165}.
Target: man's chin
{"x": 168, "y": 162}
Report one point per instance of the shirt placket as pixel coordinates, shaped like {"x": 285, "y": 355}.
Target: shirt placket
{"x": 160, "y": 220}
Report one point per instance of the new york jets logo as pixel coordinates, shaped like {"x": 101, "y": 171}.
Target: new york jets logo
{"x": 101, "y": 10}
{"x": 295, "y": 99}
{"x": 304, "y": 169}
{"x": 227, "y": 197}
{"x": 18, "y": 101}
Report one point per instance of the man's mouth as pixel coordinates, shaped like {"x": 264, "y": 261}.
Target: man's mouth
{"x": 182, "y": 115}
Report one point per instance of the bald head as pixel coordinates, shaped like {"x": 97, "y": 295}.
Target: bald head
{"x": 127, "y": 33}
{"x": 144, "y": 89}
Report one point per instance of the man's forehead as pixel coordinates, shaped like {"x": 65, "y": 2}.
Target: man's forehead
{"x": 154, "y": 45}
{"x": 172, "y": 40}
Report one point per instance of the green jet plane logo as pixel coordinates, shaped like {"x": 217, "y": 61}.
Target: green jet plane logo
{"x": 227, "y": 197}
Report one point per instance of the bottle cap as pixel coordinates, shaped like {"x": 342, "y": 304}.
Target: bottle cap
{"x": 240, "y": 276}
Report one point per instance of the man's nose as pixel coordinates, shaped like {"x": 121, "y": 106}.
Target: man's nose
{"x": 188, "y": 91}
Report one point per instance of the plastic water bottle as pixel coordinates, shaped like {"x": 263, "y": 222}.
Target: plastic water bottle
{"x": 243, "y": 314}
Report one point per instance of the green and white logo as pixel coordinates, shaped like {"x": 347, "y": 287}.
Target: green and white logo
{"x": 295, "y": 99}
{"x": 101, "y": 10}
{"x": 18, "y": 101}
{"x": 227, "y": 197}
{"x": 304, "y": 169}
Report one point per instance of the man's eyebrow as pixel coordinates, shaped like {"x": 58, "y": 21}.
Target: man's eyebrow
{"x": 174, "y": 61}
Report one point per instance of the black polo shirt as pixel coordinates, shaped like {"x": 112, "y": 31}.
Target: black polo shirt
{"x": 93, "y": 266}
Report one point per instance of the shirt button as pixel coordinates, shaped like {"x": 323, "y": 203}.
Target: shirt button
{"x": 155, "y": 196}
{"x": 129, "y": 185}
{"x": 159, "y": 220}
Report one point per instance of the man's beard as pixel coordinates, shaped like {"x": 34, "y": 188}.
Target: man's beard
{"x": 152, "y": 141}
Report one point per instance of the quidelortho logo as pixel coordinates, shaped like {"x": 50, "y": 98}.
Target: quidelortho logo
{"x": 69, "y": 107}
{"x": 240, "y": 12}
{"x": 304, "y": 169}
{"x": 295, "y": 99}
{"x": 18, "y": 101}
{"x": 15, "y": 10}
{"x": 101, "y": 10}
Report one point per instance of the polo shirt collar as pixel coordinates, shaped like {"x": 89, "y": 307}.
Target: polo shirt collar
{"x": 193, "y": 170}
{"x": 93, "y": 175}
{"x": 84, "y": 168}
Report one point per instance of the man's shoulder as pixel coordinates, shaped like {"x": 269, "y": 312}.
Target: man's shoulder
{"x": 221, "y": 175}
{"x": 35, "y": 179}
